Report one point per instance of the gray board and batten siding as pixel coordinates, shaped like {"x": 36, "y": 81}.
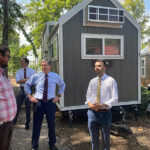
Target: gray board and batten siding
{"x": 78, "y": 72}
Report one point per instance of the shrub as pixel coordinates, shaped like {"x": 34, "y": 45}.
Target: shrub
{"x": 145, "y": 99}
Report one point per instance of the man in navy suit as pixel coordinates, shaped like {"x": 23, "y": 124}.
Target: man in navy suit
{"x": 44, "y": 100}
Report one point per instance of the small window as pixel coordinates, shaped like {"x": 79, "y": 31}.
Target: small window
{"x": 93, "y": 46}
{"x": 112, "y": 46}
{"x": 96, "y": 46}
{"x": 103, "y": 17}
{"x": 105, "y": 14}
{"x": 143, "y": 68}
{"x": 120, "y": 12}
{"x": 120, "y": 19}
{"x": 93, "y": 16}
{"x": 93, "y": 10}
{"x": 113, "y": 18}
{"x": 53, "y": 49}
{"x": 103, "y": 11}
{"x": 113, "y": 12}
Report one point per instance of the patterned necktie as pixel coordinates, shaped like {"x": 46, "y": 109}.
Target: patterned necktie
{"x": 25, "y": 73}
{"x": 45, "y": 88}
{"x": 98, "y": 90}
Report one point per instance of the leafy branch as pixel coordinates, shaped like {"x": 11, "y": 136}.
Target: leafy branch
{"x": 28, "y": 39}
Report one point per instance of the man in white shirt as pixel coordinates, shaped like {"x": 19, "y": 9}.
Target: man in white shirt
{"x": 22, "y": 76}
{"x": 101, "y": 94}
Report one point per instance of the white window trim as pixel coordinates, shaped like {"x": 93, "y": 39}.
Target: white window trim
{"x": 101, "y": 36}
{"x": 143, "y": 67}
{"x": 108, "y": 21}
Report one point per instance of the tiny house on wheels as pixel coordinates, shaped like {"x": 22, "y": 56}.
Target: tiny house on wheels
{"x": 94, "y": 29}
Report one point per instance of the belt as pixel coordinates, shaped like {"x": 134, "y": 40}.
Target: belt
{"x": 22, "y": 88}
{"x": 3, "y": 123}
{"x": 102, "y": 110}
{"x": 47, "y": 100}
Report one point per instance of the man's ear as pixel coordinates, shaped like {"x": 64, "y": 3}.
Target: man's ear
{"x": 1, "y": 56}
{"x": 50, "y": 66}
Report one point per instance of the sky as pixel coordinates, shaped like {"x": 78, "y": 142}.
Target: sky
{"x": 23, "y": 1}
{"x": 147, "y": 5}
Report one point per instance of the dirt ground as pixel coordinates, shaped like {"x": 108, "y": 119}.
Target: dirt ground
{"x": 77, "y": 137}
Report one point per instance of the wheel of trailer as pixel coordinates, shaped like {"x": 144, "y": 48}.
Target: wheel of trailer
{"x": 147, "y": 113}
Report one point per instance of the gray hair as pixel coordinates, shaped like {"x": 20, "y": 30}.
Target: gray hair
{"x": 46, "y": 60}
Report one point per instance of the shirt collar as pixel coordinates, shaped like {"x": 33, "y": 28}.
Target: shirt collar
{"x": 48, "y": 73}
{"x": 25, "y": 68}
{"x": 103, "y": 76}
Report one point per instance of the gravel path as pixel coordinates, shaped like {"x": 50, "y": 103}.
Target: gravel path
{"x": 77, "y": 137}
{"x": 21, "y": 139}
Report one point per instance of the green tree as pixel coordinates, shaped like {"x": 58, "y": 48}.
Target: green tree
{"x": 39, "y": 12}
{"x": 11, "y": 19}
{"x": 14, "y": 63}
{"x": 137, "y": 9}
{"x": 1, "y": 34}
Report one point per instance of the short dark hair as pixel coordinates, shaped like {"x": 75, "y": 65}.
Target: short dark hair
{"x": 26, "y": 60}
{"x": 101, "y": 60}
{"x": 4, "y": 49}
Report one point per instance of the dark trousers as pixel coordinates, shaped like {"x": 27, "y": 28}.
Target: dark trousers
{"x": 6, "y": 130}
{"x": 19, "y": 98}
{"x": 95, "y": 121}
{"x": 49, "y": 109}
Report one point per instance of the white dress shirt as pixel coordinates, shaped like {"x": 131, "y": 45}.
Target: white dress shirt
{"x": 108, "y": 91}
{"x": 20, "y": 74}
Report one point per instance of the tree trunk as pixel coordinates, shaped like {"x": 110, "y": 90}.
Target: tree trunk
{"x": 5, "y": 6}
{"x": 5, "y": 22}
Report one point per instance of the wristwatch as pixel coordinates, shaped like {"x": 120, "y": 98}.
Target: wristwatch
{"x": 1, "y": 122}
